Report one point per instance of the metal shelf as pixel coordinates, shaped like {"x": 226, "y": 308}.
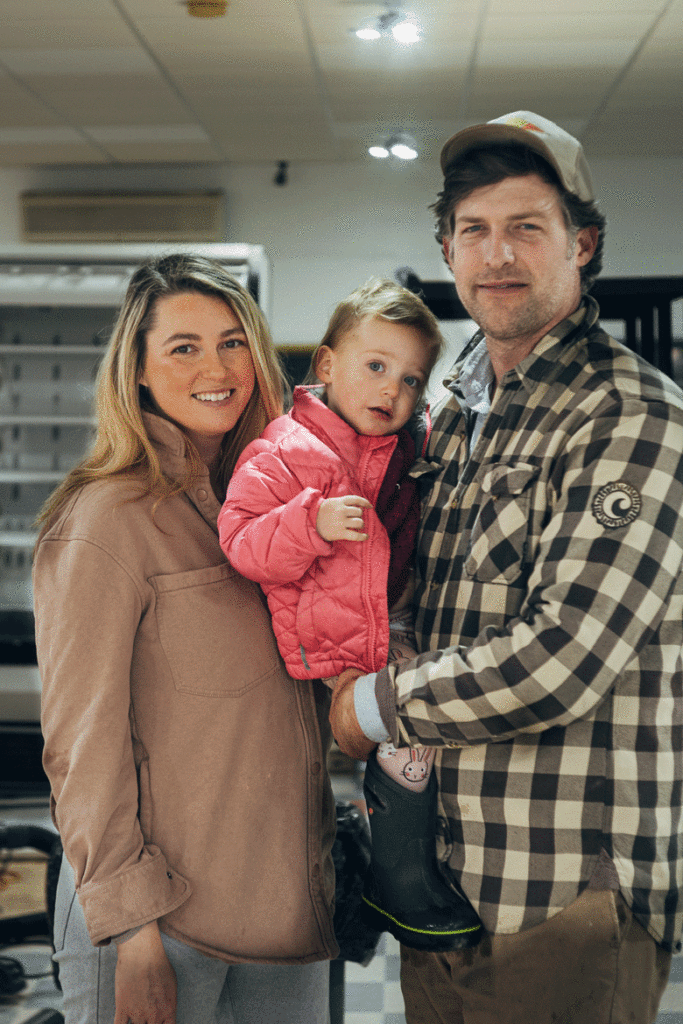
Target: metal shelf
{"x": 47, "y": 420}
{"x": 83, "y": 275}
{"x": 52, "y": 350}
{"x": 32, "y": 476}
{"x": 17, "y": 539}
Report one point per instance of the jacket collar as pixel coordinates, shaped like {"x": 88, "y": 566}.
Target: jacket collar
{"x": 546, "y": 358}
{"x": 171, "y": 445}
{"x": 332, "y": 430}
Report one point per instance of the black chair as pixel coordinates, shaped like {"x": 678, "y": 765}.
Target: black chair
{"x": 15, "y": 930}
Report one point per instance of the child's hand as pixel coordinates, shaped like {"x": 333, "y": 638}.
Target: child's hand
{"x": 342, "y": 518}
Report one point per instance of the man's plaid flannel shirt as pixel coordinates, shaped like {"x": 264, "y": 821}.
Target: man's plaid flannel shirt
{"x": 550, "y": 595}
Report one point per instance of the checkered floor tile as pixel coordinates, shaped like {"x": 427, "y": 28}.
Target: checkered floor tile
{"x": 373, "y": 993}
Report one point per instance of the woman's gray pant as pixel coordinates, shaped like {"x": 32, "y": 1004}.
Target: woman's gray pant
{"x": 209, "y": 990}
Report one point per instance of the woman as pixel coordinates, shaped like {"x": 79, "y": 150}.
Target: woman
{"x": 198, "y": 862}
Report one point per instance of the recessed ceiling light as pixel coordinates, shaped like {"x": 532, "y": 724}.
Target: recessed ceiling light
{"x": 402, "y": 27}
{"x": 368, "y": 33}
{"x": 399, "y": 145}
{"x": 406, "y": 32}
{"x": 403, "y": 151}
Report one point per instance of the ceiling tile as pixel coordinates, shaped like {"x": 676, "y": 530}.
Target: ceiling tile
{"x": 585, "y": 8}
{"x": 632, "y": 132}
{"x": 164, "y": 152}
{"x": 553, "y": 53}
{"x": 111, "y": 61}
{"x": 605, "y": 23}
{"x": 148, "y": 133}
{"x": 46, "y": 33}
{"x": 19, "y": 108}
{"x": 110, "y": 100}
{"x": 39, "y": 154}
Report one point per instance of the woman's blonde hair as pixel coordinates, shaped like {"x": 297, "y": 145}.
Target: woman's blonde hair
{"x": 386, "y": 300}
{"x": 121, "y": 443}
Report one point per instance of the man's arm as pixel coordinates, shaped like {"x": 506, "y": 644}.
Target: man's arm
{"x": 596, "y": 595}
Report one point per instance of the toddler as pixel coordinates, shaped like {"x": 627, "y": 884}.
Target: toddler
{"x": 322, "y": 512}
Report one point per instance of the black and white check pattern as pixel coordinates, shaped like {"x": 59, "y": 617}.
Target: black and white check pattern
{"x": 550, "y": 595}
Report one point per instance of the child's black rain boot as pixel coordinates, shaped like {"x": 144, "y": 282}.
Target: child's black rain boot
{"x": 404, "y": 892}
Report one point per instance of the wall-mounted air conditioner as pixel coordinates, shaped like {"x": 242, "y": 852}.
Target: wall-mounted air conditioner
{"x": 122, "y": 217}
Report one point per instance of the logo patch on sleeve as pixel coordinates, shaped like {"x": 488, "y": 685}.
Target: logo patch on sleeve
{"x": 616, "y": 504}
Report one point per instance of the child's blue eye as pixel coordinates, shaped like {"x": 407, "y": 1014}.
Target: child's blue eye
{"x": 375, "y": 365}
{"x": 412, "y": 382}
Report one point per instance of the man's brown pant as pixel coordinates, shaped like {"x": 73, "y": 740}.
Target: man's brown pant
{"x": 592, "y": 963}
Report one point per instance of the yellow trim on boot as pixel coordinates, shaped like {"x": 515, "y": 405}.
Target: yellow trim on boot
{"x": 420, "y": 931}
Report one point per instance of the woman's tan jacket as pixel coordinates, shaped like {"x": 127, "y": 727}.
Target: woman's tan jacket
{"x": 187, "y": 769}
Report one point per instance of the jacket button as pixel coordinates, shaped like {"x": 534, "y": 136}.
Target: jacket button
{"x": 201, "y": 494}
{"x": 169, "y": 875}
{"x": 315, "y": 767}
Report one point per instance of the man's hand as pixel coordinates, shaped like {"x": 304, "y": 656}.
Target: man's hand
{"x": 345, "y": 728}
{"x": 342, "y": 518}
{"x": 145, "y": 985}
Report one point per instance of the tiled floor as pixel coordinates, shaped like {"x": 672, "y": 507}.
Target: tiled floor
{"x": 373, "y": 993}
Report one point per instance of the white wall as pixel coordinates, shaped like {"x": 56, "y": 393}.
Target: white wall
{"x": 332, "y": 226}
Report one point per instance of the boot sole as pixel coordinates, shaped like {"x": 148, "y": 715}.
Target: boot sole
{"x": 420, "y": 938}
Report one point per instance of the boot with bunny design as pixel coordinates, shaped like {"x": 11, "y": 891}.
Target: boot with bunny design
{"x": 404, "y": 893}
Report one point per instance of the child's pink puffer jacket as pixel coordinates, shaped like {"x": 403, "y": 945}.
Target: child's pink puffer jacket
{"x": 328, "y": 601}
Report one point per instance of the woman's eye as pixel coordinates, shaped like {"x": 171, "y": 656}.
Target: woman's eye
{"x": 233, "y": 342}
{"x": 182, "y": 349}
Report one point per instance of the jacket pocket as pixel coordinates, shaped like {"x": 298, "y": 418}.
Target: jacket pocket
{"x": 500, "y": 531}
{"x": 215, "y": 631}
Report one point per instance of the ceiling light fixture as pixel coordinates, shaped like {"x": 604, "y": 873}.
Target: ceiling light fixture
{"x": 401, "y": 146}
{"x": 402, "y": 27}
{"x": 403, "y": 150}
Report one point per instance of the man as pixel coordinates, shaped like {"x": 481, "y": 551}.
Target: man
{"x": 549, "y": 607}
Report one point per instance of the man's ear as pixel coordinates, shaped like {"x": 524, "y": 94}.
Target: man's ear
{"x": 446, "y": 246}
{"x": 586, "y": 244}
{"x": 323, "y": 364}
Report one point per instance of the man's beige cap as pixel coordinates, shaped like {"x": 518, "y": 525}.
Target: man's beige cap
{"x": 558, "y": 147}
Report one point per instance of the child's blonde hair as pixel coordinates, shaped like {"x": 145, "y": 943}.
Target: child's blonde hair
{"x": 386, "y": 300}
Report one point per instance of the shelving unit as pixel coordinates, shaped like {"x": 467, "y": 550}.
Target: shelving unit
{"x": 58, "y": 305}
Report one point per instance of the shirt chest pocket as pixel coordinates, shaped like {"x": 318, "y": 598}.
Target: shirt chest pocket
{"x": 215, "y": 631}
{"x": 501, "y": 528}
